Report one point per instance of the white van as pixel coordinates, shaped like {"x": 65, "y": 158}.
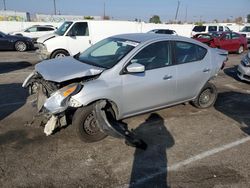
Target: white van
{"x": 73, "y": 37}
{"x": 208, "y": 28}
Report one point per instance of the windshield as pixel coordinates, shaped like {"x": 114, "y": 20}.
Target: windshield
{"x": 2, "y": 34}
{"x": 107, "y": 52}
{"x": 245, "y": 29}
{"x": 63, "y": 28}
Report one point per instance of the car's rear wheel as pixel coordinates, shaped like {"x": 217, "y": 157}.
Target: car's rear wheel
{"x": 206, "y": 97}
{"x": 86, "y": 126}
{"x": 20, "y": 46}
{"x": 240, "y": 50}
{"x": 59, "y": 54}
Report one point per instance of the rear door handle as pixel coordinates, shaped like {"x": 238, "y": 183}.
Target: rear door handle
{"x": 206, "y": 70}
{"x": 167, "y": 77}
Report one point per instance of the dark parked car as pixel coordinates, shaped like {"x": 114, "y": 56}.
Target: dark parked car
{"x": 230, "y": 41}
{"x": 13, "y": 42}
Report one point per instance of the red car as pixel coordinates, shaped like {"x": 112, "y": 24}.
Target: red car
{"x": 230, "y": 41}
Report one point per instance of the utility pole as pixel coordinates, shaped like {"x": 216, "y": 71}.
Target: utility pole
{"x": 55, "y": 7}
{"x": 4, "y": 5}
{"x": 104, "y": 10}
{"x": 186, "y": 14}
{"x": 176, "y": 15}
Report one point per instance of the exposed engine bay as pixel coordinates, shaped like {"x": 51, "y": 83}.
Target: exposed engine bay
{"x": 44, "y": 90}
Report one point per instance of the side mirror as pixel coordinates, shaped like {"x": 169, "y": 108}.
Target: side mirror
{"x": 71, "y": 33}
{"x": 135, "y": 68}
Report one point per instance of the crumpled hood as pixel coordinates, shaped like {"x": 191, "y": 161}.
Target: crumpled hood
{"x": 44, "y": 38}
{"x": 67, "y": 68}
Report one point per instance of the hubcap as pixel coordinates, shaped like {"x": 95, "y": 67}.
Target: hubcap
{"x": 20, "y": 46}
{"x": 60, "y": 55}
{"x": 90, "y": 125}
{"x": 205, "y": 97}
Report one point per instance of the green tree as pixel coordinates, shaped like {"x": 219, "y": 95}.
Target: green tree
{"x": 88, "y": 18}
{"x": 155, "y": 19}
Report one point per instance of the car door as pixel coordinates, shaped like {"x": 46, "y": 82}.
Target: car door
{"x": 226, "y": 42}
{"x": 235, "y": 41}
{"x": 78, "y": 38}
{"x": 193, "y": 69}
{"x": 5, "y": 43}
{"x": 153, "y": 88}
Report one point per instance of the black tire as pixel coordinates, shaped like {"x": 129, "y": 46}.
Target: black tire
{"x": 206, "y": 97}
{"x": 59, "y": 54}
{"x": 20, "y": 46}
{"x": 85, "y": 125}
{"x": 241, "y": 49}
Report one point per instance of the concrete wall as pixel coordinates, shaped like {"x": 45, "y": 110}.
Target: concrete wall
{"x": 183, "y": 30}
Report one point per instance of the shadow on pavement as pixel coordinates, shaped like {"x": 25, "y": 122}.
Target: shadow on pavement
{"x": 12, "y": 97}
{"x": 150, "y": 166}
{"x": 236, "y": 106}
{"x": 13, "y": 66}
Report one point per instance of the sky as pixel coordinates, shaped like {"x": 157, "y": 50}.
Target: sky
{"x": 206, "y": 10}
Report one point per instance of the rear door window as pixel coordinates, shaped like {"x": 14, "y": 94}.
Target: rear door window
{"x": 44, "y": 29}
{"x": 199, "y": 29}
{"x": 212, "y": 28}
{"x": 235, "y": 36}
{"x": 187, "y": 52}
{"x": 220, "y": 28}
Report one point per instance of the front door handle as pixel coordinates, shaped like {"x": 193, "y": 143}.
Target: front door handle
{"x": 206, "y": 70}
{"x": 167, "y": 77}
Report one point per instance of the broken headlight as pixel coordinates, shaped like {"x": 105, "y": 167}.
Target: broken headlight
{"x": 59, "y": 100}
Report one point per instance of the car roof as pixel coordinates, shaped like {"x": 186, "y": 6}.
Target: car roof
{"x": 144, "y": 37}
{"x": 48, "y": 26}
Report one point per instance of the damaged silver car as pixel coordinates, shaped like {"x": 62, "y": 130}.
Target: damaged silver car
{"x": 123, "y": 76}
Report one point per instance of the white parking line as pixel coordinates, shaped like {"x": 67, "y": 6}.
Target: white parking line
{"x": 193, "y": 159}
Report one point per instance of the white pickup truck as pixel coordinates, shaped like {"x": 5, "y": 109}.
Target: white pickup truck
{"x": 73, "y": 37}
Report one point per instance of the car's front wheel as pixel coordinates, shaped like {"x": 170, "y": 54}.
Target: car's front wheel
{"x": 86, "y": 126}
{"x": 20, "y": 46}
{"x": 206, "y": 97}
{"x": 59, "y": 54}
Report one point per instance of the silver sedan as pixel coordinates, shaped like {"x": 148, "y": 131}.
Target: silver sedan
{"x": 123, "y": 76}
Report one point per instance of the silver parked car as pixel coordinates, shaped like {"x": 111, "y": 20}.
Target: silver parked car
{"x": 123, "y": 76}
{"x": 243, "y": 70}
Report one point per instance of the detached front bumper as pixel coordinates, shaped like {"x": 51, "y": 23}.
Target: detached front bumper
{"x": 42, "y": 51}
{"x": 243, "y": 72}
